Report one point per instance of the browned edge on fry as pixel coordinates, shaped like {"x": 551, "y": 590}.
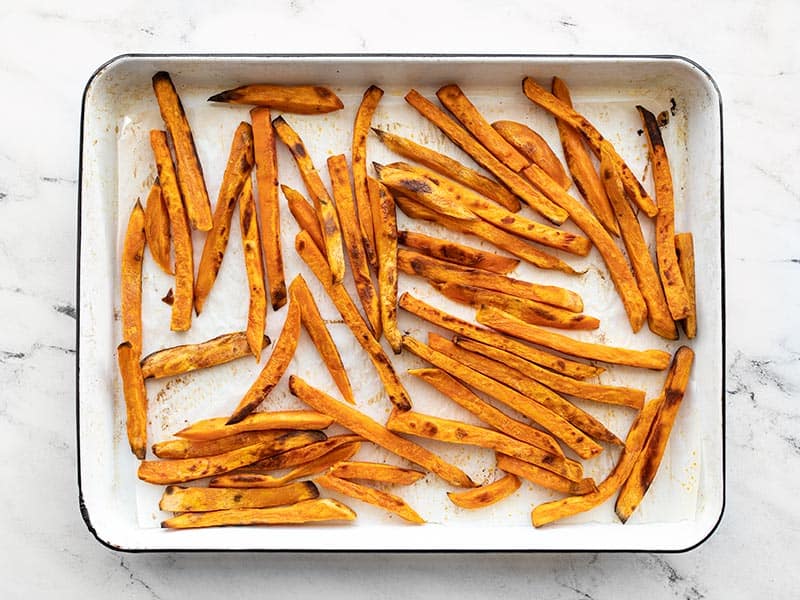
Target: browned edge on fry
{"x": 363, "y": 120}
{"x": 297, "y": 99}
{"x": 684, "y": 247}
{"x": 135, "y": 396}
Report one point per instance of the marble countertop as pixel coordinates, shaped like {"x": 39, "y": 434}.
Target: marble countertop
{"x": 46, "y": 55}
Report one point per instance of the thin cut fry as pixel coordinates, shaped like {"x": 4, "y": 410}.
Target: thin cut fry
{"x": 359, "y": 423}
{"x": 202, "y": 499}
{"x": 135, "y": 396}
{"x": 457, "y": 253}
{"x": 190, "y": 172}
{"x": 297, "y": 99}
{"x": 192, "y": 449}
{"x": 543, "y": 477}
{"x": 318, "y": 332}
{"x": 237, "y": 171}
{"x": 272, "y": 372}
{"x": 684, "y": 247}
{"x": 156, "y": 227}
{"x": 366, "y": 110}
{"x": 131, "y": 279}
{"x": 385, "y": 220}
{"x": 533, "y": 147}
{"x": 334, "y": 449}
{"x": 308, "y": 511}
{"x": 251, "y": 244}
{"x": 212, "y": 429}
{"x": 486, "y": 495}
{"x": 305, "y": 216}
{"x": 372, "y": 471}
{"x": 370, "y": 495}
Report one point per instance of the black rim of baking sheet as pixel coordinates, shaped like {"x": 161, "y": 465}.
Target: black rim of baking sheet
{"x": 377, "y": 56}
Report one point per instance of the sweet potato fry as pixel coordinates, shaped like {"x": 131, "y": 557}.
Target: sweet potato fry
{"x": 359, "y": 423}
{"x": 483, "y": 157}
{"x": 156, "y": 228}
{"x": 486, "y": 495}
{"x": 308, "y": 511}
{"x": 646, "y": 466}
{"x": 543, "y": 477}
{"x": 446, "y": 321}
{"x": 272, "y": 372}
{"x": 131, "y": 279}
{"x": 251, "y": 244}
{"x": 414, "y": 263}
{"x": 607, "y": 394}
{"x": 319, "y": 334}
{"x": 572, "y": 505}
{"x": 487, "y": 413}
{"x": 266, "y": 159}
{"x": 332, "y": 450}
{"x": 135, "y": 395}
{"x": 202, "y": 499}
{"x": 580, "y": 164}
{"x": 297, "y": 99}
{"x": 454, "y": 100}
{"x": 684, "y": 248}
{"x": 534, "y": 148}
{"x": 237, "y": 171}
{"x": 456, "y": 432}
{"x": 451, "y": 168}
{"x": 190, "y": 172}
{"x": 305, "y": 216}
{"x": 326, "y": 211}
{"x": 384, "y": 500}
{"x": 353, "y": 239}
{"x": 181, "y": 235}
{"x": 181, "y": 448}
{"x": 363, "y": 120}
{"x": 344, "y": 304}
{"x": 646, "y": 359}
{"x": 385, "y": 221}
{"x": 213, "y": 429}
{"x": 372, "y": 471}
{"x": 457, "y": 253}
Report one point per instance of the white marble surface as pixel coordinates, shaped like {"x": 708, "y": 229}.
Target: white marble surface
{"x": 47, "y": 52}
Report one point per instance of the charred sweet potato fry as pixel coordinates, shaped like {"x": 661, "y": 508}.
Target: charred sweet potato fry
{"x": 369, "y": 103}
{"x": 684, "y": 248}
{"x": 135, "y": 396}
{"x": 181, "y": 448}
{"x": 372, "y": 471}
{"x": 334, "y": 449}
{"x": 251, "y": 244}
{"x": 131, "y": 279}
{"x": 457, "y": 253}
{"x": 543, "y": 477}
{"x": 203, "y": 499}
{"x": 534, "y": 148}
{"x": 385, "y": 220}
{"x": 156, "y": 228}
{"x": 305, "y": 216}
{"x": 370, "y": 495}
{"x": 297, "y": 99}
{"x": 486, "y": 495}
{"x": 213, "y": 429}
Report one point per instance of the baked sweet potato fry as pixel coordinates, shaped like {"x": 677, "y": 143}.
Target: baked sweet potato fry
{"x": 131, "y": 279}
{"x": 237, "y": 172}
{"x": 156, "y": 228}
{"x": 372, "y": 471}
{"x": 369, "y": 103}
{"x": 319, "y": 334}
{"x": 181, "y": 235}
{"x": 190, "y": 172}
{"x": 384, "y": 217}
{"x": 486, "y": 495}
{"x": 305, "y": 216}
{"x": 181, "y": 448}
{"x": 384, "y": 500}
{"x": 251, "y": 245}
{"x": 684, "y": 248}
{"x": 543, "y": 477}
{"x": 646, "y": 466}
{"x": 201, "y": 499}
{"x": 332, "y": 450}
{"x": 534, "y": 148}
{"x": 271, "y": 374}
{"x": 297, "y": 99}
{"x": 308, "y": 511}
{"x": 359, "y": 423}
{"x": 459, "y": 254}
{"x": 135, "y": 396}
{"x": 213, "y": 429}
{"x": 266, "y": 159}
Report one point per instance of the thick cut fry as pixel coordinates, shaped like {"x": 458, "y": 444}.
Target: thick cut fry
{"x": 456, "y": 432}
{"x": 359, "y": 423}
{"x": 237, "y": 172}
{"x": 658, "y": 316}
{"x": 580, "y": 164}
{"x": 483, "y": 157}
{"x": 385, "y": 220}
{"x": 319, "y": 334}
{"x": 451, "y": 168}
{"x": 646, "y": 359}
{"x": 414, "y": 263}
{"x": 533, "y": 147}
{"x": 304, "y": 214}
{"x": 363, "y": 120}
{"x": 457, "y": 253}
{"x": 555, "y": 424}
{"x": 131, "y": 279}
{"x": 266, "y": 159}
{"x": 135, "y": 395}
{"x": 344, "y": 304}
{"x": 190, "y": 172}
{"x": 181, "y": 235}
{"x": 297, "y": 99}
{"x": 353, "y": 239}
{"x": 486, "y": 495}
{"x": 251, "y": 244}
{"x": 326, "y": 211}
{"x": 271, "y": 374}
{"x": 384, "y": 500}
{"x": 202, "y": 499}
{"x": 646, "y": 466}
{"x": 543, "y": 477}
{"x": 308, "y": 511}
{"x": 684, "y": 248}
{"x": 372, "y": 471}
{"x": 446, "y": 321}
{"x": 487, "y": 413}
{"x": 334, "y": 449}
{"x": 454, "y": 100}
{"x": 530, "y": 311}
{"x": 567, "y": 385}
{"x": 617, "y": 266}
{"x": 572, "y": 505}
{"x": 192, "y": 449}
{"x": 156, "y": 227}
{"x": 213, "y": 429}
